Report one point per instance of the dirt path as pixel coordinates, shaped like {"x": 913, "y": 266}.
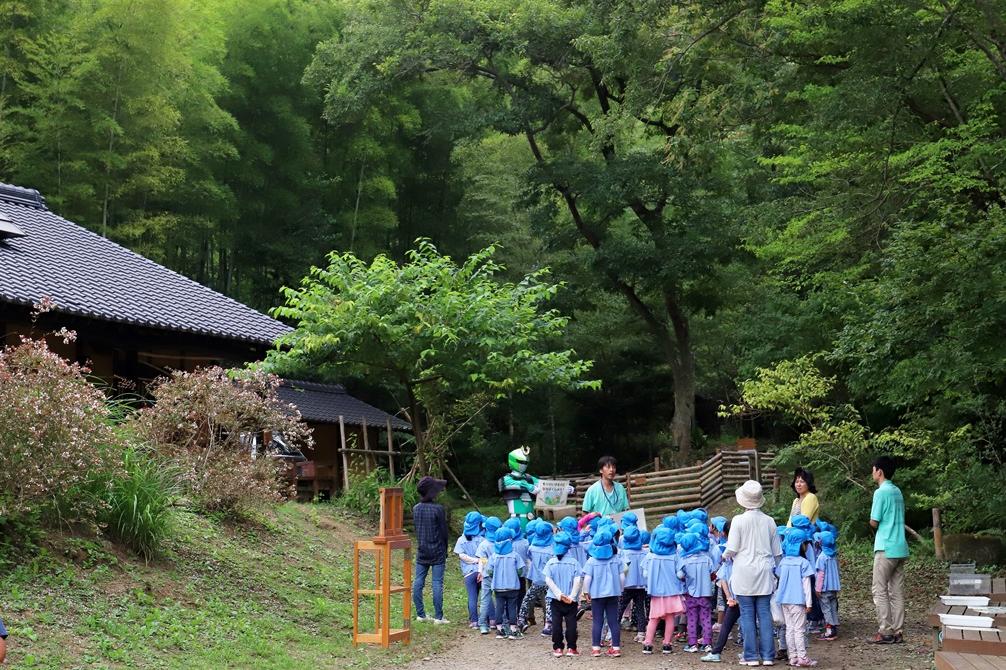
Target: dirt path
{"x": 924, "y": 580}
{"x": 535, "y": 651}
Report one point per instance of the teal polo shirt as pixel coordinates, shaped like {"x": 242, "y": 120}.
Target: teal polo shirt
{"x": 598, "y": 500}
{"x": 889, "y": 512}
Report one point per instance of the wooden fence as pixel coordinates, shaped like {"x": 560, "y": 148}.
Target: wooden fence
{"x": 666, "y": 491}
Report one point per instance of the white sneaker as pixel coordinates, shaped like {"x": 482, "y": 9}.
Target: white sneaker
{"x": 640, "y": 637}
{"x": 424, "y": 618}
{"x": 440, "y": 621}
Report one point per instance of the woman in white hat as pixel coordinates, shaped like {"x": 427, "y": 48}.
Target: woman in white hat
{"x": 754, "y": 546}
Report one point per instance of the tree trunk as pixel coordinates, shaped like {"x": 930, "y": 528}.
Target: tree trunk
{"x": 683, "y": 369}
{"x": 417, "y": 430}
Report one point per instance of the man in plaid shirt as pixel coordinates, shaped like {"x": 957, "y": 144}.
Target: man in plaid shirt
{"x": 430, "y": 522}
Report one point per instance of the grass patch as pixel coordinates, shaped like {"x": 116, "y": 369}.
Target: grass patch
{"x": 272, "y": 593}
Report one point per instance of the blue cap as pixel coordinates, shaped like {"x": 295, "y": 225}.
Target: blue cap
{"x": 513, "y": 523}
{"x": 700, "y": 514}
{"x": 562, "y": 542}
{"x": 473, "y": 523}
{"x": 800, "y": 521}
{"x": 644, "y": 537}
{"x": 690, "y": 544}
{"x": 827, "y": 540}
{"x": 602, "y": 546}
{"x": 542, "y": 535}
{"x": 662, "y": 541}
{"x": 671, "y": 522}
{"x": 492, "y": 524}
{"x": 719, "y": 523}
{"x": 568, "y": 524}
{"x": 629, "y": 519}
{"x": 504, "y": 541}
{"x": 794, "y": 538}
{"x": 632, "y": 538}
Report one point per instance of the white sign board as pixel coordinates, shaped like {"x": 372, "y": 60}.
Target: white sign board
{"x": 552, "y": 493}
{"x": 640, "y": 515}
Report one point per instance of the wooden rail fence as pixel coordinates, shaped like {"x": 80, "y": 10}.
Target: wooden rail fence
{"x": 666, "y": 491}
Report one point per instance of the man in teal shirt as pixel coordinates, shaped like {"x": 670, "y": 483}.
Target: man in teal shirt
{"x": 606, "y": 496}
{"x": 890, "y": 551}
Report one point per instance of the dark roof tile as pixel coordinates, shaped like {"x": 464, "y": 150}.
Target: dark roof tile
{"x": 89, "y": 275}
{"x": 324, "y": 403}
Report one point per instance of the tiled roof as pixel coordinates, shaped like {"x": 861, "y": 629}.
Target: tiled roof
{"x": 88, "y": 275}
{"x": 325, "y": 403}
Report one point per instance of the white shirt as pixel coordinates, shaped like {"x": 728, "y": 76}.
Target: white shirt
{"x": 754, "y": 545}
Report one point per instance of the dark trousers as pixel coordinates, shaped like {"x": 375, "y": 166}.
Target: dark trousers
{"x": 730, "y": 617}
{"x": 815, "y": 614}
{"x": 602, "y": 609}
{"x": 636, "y": 596}
{"x": 563, "y": 615}
{"x": 506, "y": 608}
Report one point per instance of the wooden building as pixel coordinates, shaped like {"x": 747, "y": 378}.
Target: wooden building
{"x": 136, "y": 320}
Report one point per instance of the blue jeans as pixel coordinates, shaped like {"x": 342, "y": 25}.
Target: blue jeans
{"x": 472, "y": 587}
{"x": 419, "y": 583}
{"x": 487, "y": 612}
{"x": 756, "y": 626}
{"x": 601, "y": 610}
{"x": 506, "y": 609}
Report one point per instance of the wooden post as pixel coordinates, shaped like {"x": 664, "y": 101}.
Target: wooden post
{"x": 937, "y": 534}
{"x": 345, "y": 457}
{"x": 391, "y": 454}
{"x": 366, "y": 447}
{"x": 656, "y": 464}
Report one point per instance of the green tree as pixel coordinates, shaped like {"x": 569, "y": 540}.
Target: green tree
{"x": 435, "y": 330}
{"x": 629, "y": 131}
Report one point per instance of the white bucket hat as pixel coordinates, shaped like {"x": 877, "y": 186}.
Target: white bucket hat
{"x": 749, "y": 495}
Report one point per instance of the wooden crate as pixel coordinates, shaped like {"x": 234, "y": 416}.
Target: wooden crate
{"x": 989, "y": 642}
{"x": 951, "y": 660}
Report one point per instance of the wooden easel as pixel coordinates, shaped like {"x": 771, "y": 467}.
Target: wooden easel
{"x": 390, "y": 537}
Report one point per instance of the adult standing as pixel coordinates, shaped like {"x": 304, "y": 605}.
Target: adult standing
{"x": 606, "y": 496}
{"x": 806, "y": 502}
{"x": 430, "y": 522}
{"x": 754, "y": 546}
{"x": 890, "y": 551}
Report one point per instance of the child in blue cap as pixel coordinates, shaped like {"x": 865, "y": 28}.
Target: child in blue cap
{"x": 696, "y": 571}
{"x": 568, "y": 524}
{"x": 466, "y": 547}
{"x": 793, "y": 594}
{"x": 505, "y": 570}
{"x": 487, "y": 609}
{"x": 540, "y": 534}
{"x": 660, "y": 569}
{"x": 634, "y": 593}
{"x": 563, "y": 576}
{"x": 827, "y": 583}
{"x": 603, "y": 580}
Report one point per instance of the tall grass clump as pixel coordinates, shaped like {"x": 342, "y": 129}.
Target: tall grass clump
{"x": 140, "y": 502}
{"x": 364, "y": 495}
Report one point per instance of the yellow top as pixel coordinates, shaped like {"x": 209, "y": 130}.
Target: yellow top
{"x": 807, "y": 505}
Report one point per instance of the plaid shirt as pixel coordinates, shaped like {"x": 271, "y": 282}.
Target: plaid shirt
{"x": 430, "y": 522}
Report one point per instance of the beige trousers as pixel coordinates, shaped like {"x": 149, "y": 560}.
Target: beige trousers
{"x": 888, "y": 593}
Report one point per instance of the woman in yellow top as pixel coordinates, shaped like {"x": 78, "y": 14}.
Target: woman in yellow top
{"x": 806, "y": 498}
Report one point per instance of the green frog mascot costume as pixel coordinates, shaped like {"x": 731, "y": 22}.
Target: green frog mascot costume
{"x": 518, "y": 487}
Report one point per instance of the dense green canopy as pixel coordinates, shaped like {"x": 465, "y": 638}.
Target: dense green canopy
{"x": 726, "y": 189}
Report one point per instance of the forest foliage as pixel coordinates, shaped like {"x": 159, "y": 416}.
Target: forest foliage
{"x": 723, "y": 188}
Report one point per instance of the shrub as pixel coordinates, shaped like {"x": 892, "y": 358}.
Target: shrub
{"x": 139, "y": 502}
{"x": 54, "y": 430}
{"x": 201, "y": 421}
{"x": 364, "y": 495}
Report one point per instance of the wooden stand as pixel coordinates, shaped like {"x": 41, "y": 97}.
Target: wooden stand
{"x": 390, "y": 538}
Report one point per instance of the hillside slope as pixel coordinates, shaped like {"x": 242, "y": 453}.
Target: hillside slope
{"x": 271, "y": 594}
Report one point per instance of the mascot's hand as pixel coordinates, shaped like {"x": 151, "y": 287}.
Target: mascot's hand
{"x": 536, "y": 488}
{"x": 570, "y": 489}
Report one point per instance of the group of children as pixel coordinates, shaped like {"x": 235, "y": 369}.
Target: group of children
{"x": 675, "y": 575}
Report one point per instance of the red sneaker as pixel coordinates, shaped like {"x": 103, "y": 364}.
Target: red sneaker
{"x": 572, "y": 652}
{"x": 614, "y": 652}
{"x": 595, "y": 652}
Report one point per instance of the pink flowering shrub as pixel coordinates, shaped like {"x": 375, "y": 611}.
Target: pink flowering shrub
{"x": 201, "y": 421}
{"x": 54, "y": 431}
